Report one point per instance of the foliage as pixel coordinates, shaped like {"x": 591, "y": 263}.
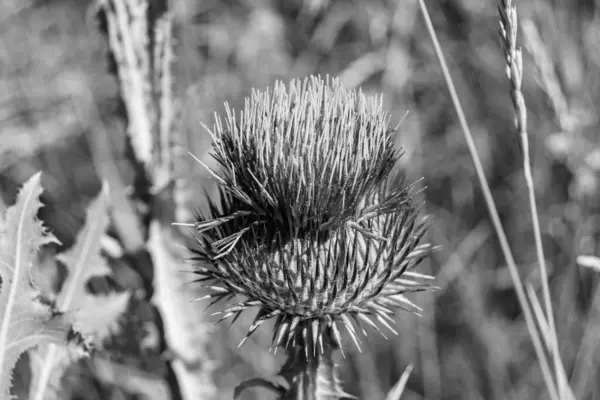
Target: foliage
{"x": 62, "y": 113}
{"x": 96, "y": 316}
{"x": 25, "y": 320}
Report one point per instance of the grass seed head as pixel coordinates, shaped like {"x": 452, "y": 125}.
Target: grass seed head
{"x": 311, "y": 225}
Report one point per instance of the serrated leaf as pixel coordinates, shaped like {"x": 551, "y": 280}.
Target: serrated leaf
{"x": 95, "y": 316}
{"x": 24, "y": 320}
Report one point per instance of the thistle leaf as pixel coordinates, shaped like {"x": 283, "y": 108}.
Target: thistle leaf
{"x": 95, "y": 316}
{"x": 25, "y": 321}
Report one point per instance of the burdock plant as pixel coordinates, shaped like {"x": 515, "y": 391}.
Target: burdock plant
{"x": 312, "y": 225}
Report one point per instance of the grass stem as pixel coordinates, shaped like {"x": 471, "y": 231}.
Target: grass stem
{"x": 514, "y": 62}
{"x": 489, "y": 199}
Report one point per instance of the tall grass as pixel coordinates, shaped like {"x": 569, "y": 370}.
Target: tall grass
{"x": 556, "y": 381}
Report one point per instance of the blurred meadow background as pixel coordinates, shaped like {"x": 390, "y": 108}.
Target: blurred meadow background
{"x": 61, "y": 113}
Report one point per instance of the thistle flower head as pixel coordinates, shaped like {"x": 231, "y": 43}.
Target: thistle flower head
{"x": 311, "y": 225}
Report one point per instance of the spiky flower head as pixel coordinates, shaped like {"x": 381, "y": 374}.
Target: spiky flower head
{"x": 311, "y": 224}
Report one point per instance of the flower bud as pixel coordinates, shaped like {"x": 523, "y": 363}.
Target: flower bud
{"x": 311, "y": 226}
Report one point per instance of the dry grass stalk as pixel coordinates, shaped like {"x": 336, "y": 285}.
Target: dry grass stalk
{"x": 489, "y": 199}
{"x": 514, "y": 70}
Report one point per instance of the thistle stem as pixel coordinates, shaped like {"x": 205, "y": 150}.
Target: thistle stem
{"x": 312, "y": 374}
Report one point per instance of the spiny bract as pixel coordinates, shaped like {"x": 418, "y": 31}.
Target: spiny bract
{"x": 311, "y": 224}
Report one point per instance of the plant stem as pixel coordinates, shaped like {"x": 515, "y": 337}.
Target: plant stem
{"x": 312, "y": 375}
{"x": 489, "y": 199}
{"x": 514, "y": 62}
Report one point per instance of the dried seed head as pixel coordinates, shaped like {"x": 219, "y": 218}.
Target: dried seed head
{"x": 310, "y": 225}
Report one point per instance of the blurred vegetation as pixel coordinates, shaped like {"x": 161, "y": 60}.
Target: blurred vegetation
{"x": 58, "y": 108}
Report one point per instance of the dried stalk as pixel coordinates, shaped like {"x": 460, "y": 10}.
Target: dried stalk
{"x": 127, "y": 32}
{"x": 140, "y": 38}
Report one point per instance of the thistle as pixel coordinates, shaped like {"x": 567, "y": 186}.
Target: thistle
{"x": 312, "y": 225}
